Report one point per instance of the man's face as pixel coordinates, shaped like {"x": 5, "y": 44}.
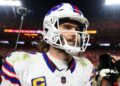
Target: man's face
{"x": 68, "y": 31}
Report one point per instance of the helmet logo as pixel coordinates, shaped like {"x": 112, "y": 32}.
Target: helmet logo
{"x": 54, "y": 9}
{"x": 76, "y": 9}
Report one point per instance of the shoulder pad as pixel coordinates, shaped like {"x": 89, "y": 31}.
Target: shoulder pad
{"x": 84, "y": 61}
{"x": 17, "y": 56}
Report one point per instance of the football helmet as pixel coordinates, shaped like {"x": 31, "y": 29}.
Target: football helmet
{"x": 52, "y": 35}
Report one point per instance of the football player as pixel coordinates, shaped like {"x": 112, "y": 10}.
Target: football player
{"x": 65, "y": 30}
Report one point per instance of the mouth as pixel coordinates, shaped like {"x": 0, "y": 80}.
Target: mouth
{"x": 71, "y": 43}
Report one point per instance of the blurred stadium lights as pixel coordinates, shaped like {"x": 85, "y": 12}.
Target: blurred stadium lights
{"x": 34, "y": 43}
{"x": 4, "y": 42}
{"x": 112, "y": 2}
{"x": 104, "y": 44}
{"x": 7, "y": 42}
{"x": 10, "y": 3}
{"x": 30, "y": 35}
{"x": 25, "y": 31}
{"x": 89, "y": 44}
{"x": 92, "y": 31}
{"x": 22, "y": 31}
{"x": 21, "y": 42}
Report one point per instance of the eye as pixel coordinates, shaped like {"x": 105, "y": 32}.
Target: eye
{"x": 67, "y": 27}
{"x": 70, "y": 26}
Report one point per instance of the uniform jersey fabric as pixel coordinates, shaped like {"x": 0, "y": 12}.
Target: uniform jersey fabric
{"x": 36, "y": 69}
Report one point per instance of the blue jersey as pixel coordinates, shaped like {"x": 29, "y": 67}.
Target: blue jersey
{"x": 24, "y": 69}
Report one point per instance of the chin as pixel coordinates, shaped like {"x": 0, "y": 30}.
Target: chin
{"x": 71, "y": 43}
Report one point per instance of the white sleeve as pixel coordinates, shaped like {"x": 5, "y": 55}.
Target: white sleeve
{"x": 8, "y": 73}
{"x": 91, "y": 76}
{"x": 89, "y": 72}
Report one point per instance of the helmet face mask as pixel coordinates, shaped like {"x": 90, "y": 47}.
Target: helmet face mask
{"x": 53, "y": 34}
{"x": 75, "y": 46}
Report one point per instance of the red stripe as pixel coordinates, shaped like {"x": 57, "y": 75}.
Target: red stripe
{"x": 76, "y": 9}
{"x": 8, "y": 71}
{"x": 9, "y": 63}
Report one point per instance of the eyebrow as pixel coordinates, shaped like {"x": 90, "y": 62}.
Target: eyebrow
{"x": 69, "y": 24}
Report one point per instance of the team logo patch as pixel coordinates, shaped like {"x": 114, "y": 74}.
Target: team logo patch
{"x": 63, "y": 80}
{"x": 40, "y": 81}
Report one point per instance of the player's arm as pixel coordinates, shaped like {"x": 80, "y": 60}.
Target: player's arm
{"x": 90, "y": 78}
{"x": 89, "y": 71}
{"x": 8, "y": 74}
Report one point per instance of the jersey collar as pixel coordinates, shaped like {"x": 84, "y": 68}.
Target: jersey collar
{"x": 52, "y": 66}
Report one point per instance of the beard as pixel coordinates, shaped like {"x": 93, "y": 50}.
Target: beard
{"x": 71, "y": 43}
{"x": 74, "y": 43}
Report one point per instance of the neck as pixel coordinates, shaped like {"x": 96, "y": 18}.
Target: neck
{"x": 59, "y": 54}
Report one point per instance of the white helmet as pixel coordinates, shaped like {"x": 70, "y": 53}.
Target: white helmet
{"x": 52, "y": 36}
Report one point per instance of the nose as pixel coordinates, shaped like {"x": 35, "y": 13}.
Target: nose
{"x": 73, "y": 34}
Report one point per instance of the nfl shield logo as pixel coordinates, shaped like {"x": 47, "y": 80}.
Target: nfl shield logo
{"x": 63, "y": 80}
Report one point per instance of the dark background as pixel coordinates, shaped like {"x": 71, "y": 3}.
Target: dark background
{"x": 104, "y": 19}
